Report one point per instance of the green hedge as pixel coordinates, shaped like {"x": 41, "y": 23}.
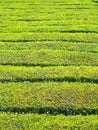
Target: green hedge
{"x": 62, "y": 29}
{"x": 28, "y": 37}
{"x": 47, "y": 57}
{"x": 82, "y": 47}
{"x": 59, "y": 73}
{"x": 53, "y": 97}
{"x": 10, "y": 121}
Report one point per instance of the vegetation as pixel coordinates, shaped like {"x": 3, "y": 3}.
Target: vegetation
{"x": 48, "y": 65}
{"x": 55, "y": 36}
{"x": 59, "y": 73}
{"x": 47, "y": 57}
{"x": 53, "y": 97}
{"x": 34, "y": 121}
{"x": 50, "y": 45}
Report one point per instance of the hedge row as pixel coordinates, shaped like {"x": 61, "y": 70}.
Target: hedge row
{"x": 28, "y": 37}
{"x": 47, "y": 57}
{"x": 52, "y": 22}
{"x": 62, "y": 29}
{"x": 50, "y": 6}
{"x": 37, "y": 17}
{"x": 82, "y": 47}
{"x": 10, "y": 121}
{"x": 48, "y": 1}
{"x": 43, "y": 10}
{"x": 59, "y": 73}
{"x": 52, "y": 97}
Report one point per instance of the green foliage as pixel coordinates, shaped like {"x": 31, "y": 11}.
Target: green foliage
{"x": 44, "y": 43}
{"x": 50, "y": 45}
{"x": 48, "y": 36}
{"x": 59, "y": 73}
{"x": 47, "y": 57}
{"x": 54, "y": 97}
{"x": 10, "y": 121}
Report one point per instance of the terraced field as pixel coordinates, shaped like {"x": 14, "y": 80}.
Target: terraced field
{"x": 48, "y": 65}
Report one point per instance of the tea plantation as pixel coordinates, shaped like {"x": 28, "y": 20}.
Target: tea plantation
{"x": 48, "y": 65}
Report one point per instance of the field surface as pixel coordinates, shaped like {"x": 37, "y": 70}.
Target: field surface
{"x": 48, "y": 65}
